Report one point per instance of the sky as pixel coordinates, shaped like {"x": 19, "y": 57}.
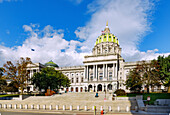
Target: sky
{"x": 66, "y": 30}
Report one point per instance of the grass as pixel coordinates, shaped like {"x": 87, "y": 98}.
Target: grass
{"x": 10, "y": 95}
{"x": 153, "y": 96}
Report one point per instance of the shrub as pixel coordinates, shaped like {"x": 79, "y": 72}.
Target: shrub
{"x": 120, "y": 92}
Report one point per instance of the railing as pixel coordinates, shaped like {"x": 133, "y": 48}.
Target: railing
{"x": 56, "y": 107}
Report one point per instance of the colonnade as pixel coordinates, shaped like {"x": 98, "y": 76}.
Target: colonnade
{"x": 96, "y": 71}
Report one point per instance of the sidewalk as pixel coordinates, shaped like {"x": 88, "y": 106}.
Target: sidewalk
{"x": 75, "y": 112}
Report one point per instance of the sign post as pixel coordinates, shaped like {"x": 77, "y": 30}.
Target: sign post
{"x": 148, "y": 99}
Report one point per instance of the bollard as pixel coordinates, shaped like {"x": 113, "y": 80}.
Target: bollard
{"x": 57, "y": 107}
{"x": 5, "y": 106}
{"x": 20, "y": 106}
{"x": 38, "y": 107}
{"x": 32, "y": 106}
{"x": 64, "y": 107}
{"x": 94, "y": 110}
{"x": 110, "y": 108}
{"x": 136, "y": 108}
{"x": 10, "y": 106}
{"x": 118, "y": 108}
{"x": 50, "y": 107}
{"x": 0, "y": 105}
{"x": 127, "y": 108}
{"x": 71, "y": 107}
{"x": 85, "y": 108}
{"x": 101, "y": 108}
{"x": 15, "y": 106}
{"x": 78, "y": 107}
{"x": 26, "y": 106}
{"x": 44, "y": 107}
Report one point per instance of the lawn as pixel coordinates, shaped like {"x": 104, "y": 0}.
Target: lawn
{"x": 10, "y": 95}
{"x": 153, "y": 96}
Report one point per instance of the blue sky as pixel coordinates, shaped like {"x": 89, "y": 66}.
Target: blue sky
{"x": 65, "y": 30}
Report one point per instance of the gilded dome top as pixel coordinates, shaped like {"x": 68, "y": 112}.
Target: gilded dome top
{"x": 107, "y": 36}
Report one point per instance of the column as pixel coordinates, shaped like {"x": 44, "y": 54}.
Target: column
{"x": 113, "y": 70}
{"x": 116, "y": 70}
{"x": 94, "y": 76}
{"x": 87, "y": 72}
{"x": 106, "y": 72}
{"x": 96, "y": 73}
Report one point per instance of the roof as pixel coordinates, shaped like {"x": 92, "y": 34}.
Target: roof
{"x": 107, "y": 36}
{"x": 51, "y": 64}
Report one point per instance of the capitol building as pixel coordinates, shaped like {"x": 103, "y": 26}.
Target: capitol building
{"x": 103, "y": 70}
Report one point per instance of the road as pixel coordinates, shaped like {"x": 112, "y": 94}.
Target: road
{"x": 28, "y": 113}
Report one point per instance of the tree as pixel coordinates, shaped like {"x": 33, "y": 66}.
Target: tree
{"x": 164, "y": 63}
{"x": 3, "y": 82}
{"x": 134, "y": 81}
{"x": 1, "y": 72}
{"x": 145, "y": 73}
{"x": 17, "y": 72}
{"x": 49, "y": 77}
{"x": 12, "y": 87}
{"x": 149, "y": 72}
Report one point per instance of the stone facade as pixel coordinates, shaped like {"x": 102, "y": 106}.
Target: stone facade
{"x": 103, "y": 70}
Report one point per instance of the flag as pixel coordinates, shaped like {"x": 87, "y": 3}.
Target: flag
{"x": 32, "y": 49}
{"x": 102, "y": 32}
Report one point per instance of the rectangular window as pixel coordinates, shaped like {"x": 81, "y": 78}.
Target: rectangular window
{"x": 101, "y": 77}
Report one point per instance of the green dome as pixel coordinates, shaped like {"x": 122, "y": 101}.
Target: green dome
{"x": 107, "y": 37}
{"x": 51, "y": 64}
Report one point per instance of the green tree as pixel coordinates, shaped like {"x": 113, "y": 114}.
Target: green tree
{"x": 164, "y": 63}
{"x": 17, "y": 72}
{"x": 49, "y": 77}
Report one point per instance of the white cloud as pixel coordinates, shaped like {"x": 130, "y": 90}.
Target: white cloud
{"x": 128, "y": 20}
{"x": 48, "y": 44}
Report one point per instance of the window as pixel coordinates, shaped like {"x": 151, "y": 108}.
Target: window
{"x": 104, "y": 36}
{"x": 82, "y": 79}
{"x": 110, "y": 76}
{"x": 120, "y": 77}
{"x": 109, "y": 36}
{"x": 77, "y": 80}
{"x": 72, "y": 74}
{"x": 101, "y": 76}
{"x": 34, "y": 71}
{"x": 81, "y": 73}
{"x": 91, "y": 76}
{"x": 28, "y": 71}
{"x": 72, "y": 80}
